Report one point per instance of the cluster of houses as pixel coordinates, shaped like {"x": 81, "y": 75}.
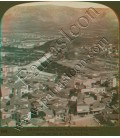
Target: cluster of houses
{"x": 33, "y": 104}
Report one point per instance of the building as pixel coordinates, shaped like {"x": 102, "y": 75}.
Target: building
{"x": 113, "y": 82}
{"x": 25, "y": 114}
{"x": 5, "y": 92}
{"x": 44, "y": 76}
{"x": 27, "y": 45}
{"x": 6, "y": 70}
{"x": 83, "y": 108}
{"x": 5, "y": 115}
{"x": 89, "y": 100}
{"x": 94, "y": 90}
{"x": 40, "y": 76}
{"x": 97, "y": 107}
{"x": 19, "y": 88}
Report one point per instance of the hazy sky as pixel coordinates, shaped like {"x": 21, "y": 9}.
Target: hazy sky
{"x": 69, "y": 4}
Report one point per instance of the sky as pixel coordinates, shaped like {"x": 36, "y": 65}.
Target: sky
{"x": 69, "y": 4}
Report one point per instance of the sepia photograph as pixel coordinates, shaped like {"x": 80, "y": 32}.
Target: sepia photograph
{"x": 59, "y": 65}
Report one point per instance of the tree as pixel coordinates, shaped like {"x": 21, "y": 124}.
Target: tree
{"x": 11, "y": 95}
{"x": 42, "y": 114}
{"x": 8, "y": 103}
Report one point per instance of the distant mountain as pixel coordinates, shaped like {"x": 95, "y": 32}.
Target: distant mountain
{"x": 47, "y": 19}
{"x": 40, "y": 18}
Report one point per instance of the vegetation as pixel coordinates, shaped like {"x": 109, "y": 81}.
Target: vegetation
{"x": 11, "y": 95}
{"x": 8, "y": 103}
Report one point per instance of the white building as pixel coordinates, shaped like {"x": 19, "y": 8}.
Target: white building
{"x": 95, "y": 90}
{"x": 6, "y": 69}
{"x": 113, "y": 82}
{"x": 26, "y": 45}
{"x": 44, "y": 76}
{"x": 83, "y": 108}
{"x": 5, "y": 92}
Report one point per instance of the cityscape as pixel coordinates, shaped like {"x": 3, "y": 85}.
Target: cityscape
{"x": 37, "y": 89}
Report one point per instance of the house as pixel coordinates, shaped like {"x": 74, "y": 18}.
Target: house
{"x": 97, "y": 107}
{"x": 95, "y": 90}
{"x": 27, "y": 45}
{"x": 89, "y": 100}
{"x": 20, "y": 88}
{"x": 4, "y": 71}
{"x": 5, "y": 114}
{"x": 113, "y": 82}
{"x": 60, "y": 114}
{"x": 83, "y": 108}
{"x": 8, "y": 69}
{"x": 5, "y": 92}
{"x": 41, "y": 76}
{"x": 25, "y": 114}
{"x": 57, "y": 103}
